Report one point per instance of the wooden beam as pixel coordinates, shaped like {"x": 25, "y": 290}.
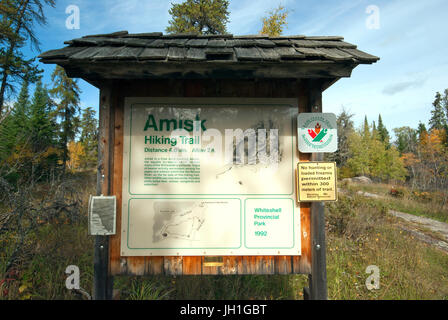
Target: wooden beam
{"x": 208, "y": 70}
{"x": 318, "y": 276}
{"x": 102, "y": 283}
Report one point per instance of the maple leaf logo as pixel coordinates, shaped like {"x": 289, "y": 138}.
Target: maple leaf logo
{"x": 317, "y": 134}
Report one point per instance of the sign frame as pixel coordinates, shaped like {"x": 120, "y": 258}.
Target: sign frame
{"x": 150, "y": 102}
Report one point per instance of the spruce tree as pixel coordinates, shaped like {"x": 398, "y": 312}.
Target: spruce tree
{"x": 20, "y": 112}
{"x": 89, "y": 137}
{"x": 438, "y": 118}
{"x": 42, "y": 128}
{"x": 383, "y": 134}
{"x": 66, "y": 91}
{"x": 366, "y": 129}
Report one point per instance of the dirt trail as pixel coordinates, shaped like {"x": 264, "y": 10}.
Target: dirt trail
{"x": 425, "y": 229}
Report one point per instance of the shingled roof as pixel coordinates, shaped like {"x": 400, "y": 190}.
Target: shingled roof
{"x": 154, "y": 55}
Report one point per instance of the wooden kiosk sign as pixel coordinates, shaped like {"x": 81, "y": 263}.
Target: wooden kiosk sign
{"x": 198, "y": 144}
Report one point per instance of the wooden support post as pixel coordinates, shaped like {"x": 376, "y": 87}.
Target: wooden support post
{"x": 318, "y": 277}
{"x": 102, "y": 282}
{"x": 100, "y": 268}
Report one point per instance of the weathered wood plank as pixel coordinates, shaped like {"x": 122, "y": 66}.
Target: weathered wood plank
{"x": 287, "y": 37}
{"x": 306, "y": 43}
{"x": 177, "y": 42}
{"x": 310, "y": 52}
{"x": 117, "y": 266}
{"x": 153, "y": 54}
{"x": 85, "y": 54}
{"x": 196, "y": 54}
{"x": 251, "y": 54}
{"x": 90, "y": 41}
{"x": 136, "y": 42}
{"x": 264, "y": 43}
{"x": 158, "y": 43}
{"x": 335, "y": 54}
{"x": 107, "y": 53}
{"x": 146, "y": 35}
{"x": 256, "y": 265}
{"x": 302, "y": 263}
{"x": 176, "y": 53}
{"x": 243, "y": 43}
{"x": 182, "y": 35}
{"x": 61, "y": 53}
{"x": 230, "y": 266}
{"x": 154, "y": 265}
{"x": 216, "y": 43}
{"x": 219, "y": 50}
{"x": 283, "y": 265}
{"x": 113, "y": 34}
{"x": 210, "y": 268}
{"x": 336, "y": 44}
{"x": 360, "y": 55}
{"x": 282, "y": 42}
{"x": 269, "y": 54}
{"x": 335, "y": 38}
{"x": 289, "y": 53}
{"x": 172, "y": 266}
{"x": 150, "y": 69}
{"x": 197, "y": 43}
{"x": 136, "y": 266}
{"x": 192, "y": 266}
{"x": 128, "y": 53}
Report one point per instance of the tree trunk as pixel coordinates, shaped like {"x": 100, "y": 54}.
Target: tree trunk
{"x": 65, "y": 141}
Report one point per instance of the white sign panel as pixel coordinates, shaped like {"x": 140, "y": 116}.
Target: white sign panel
{"x": 317, "y": 132}
{"x": 209, "y": 177}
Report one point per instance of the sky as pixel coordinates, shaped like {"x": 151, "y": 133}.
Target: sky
{"x": 409, "y": 36}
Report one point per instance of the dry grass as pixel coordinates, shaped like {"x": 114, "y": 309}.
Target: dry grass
{"x": 409, "y": 269}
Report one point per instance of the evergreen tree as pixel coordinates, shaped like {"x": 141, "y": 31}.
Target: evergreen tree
{"x": 445, "y": 102}
{"x": 14, "y": 125}
{"x": 199, "y": 17}
{"x": 17, "y": 20}
{"x": 421, "y": 130}
{"x": 89, "y": 137}
{"x": 20, "y": 112}
{"x": 438, "y": 119}
{"x": 366, "y": 129}
{"x": 274, "y": 24}
{"x": 65, "y": 90}
{"x": 42, "y": 128}
{"x": 383, "y": 134}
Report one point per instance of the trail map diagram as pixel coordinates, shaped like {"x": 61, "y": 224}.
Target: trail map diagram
{"x": 180, "y": 220}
